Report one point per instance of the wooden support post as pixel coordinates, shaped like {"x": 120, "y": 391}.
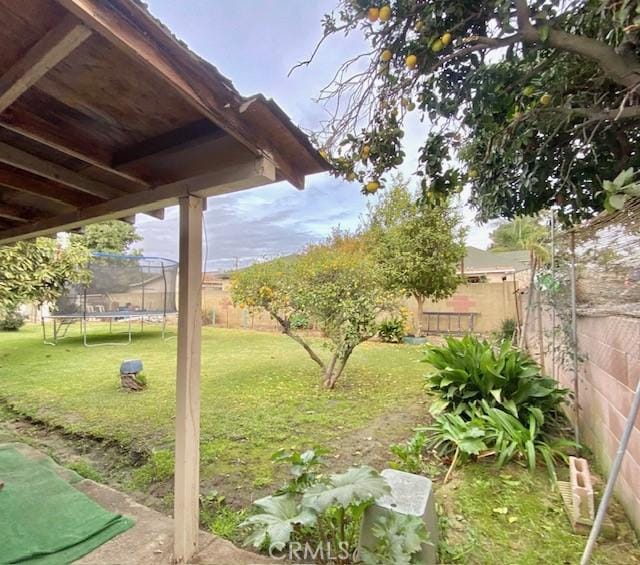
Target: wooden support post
{"x": 187, "y": 470}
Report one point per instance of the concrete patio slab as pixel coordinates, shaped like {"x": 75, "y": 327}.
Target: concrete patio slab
{"x": 150, "y": 541}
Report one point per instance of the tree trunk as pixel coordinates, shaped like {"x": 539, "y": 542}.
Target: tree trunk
{"x": 287, "y": 331}
{"x": 420, "y": 301}
{"x": 332, "y": 377}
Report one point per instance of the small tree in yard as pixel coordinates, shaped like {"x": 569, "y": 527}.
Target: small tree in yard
{"x": 419, "y": 248}
{"x": 337, "y": 284}
{"x": 38, "y": 271}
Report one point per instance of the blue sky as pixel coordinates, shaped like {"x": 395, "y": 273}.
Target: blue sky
{"x": 255, "y": 43}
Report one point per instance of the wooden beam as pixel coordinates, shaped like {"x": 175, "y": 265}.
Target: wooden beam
{"x": 255, "y": 172}
{"x": 158, "y": 214}
{"x": 15, "y": 213}
{"x": 22, "y": 160}
{"x": 23, "y": 181}
{"x": 186, "y": 506}
{"x": 41, "y": 131}
{"x": 41, "y": 58}
{"x": 131, "y": 29}
{"x": 170, "y": 141}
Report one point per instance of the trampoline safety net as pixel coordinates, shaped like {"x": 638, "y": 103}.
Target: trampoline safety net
{"x": 122, "y": 288}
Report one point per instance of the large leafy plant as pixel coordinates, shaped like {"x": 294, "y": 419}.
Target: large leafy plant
{"x": 324, "y": 510}
{"x": 399, "y": 539}
{"x": 468, "y": 370}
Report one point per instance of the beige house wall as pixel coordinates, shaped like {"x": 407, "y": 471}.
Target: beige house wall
{"x": 492, "y": 302}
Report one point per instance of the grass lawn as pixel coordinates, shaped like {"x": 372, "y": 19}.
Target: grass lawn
{"x": 260, "y": 392}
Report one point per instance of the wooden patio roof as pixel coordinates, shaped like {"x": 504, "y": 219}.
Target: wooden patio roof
{"x": 104, "y": 114}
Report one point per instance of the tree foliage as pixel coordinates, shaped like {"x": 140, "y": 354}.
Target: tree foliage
{"x": 38, "y": 271}
{"x": 419, "y": 248}
{"x": 531, "y": 103}
{"x": 336, "y": 284}
{"x": 113, "y": 236}
{"x": 524, "y": 233}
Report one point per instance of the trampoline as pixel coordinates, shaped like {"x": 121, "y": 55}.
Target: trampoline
{"x": 125, "y": 291}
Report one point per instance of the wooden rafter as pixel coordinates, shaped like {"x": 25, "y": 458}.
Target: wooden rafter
{"x": 170, "y": 141}
{"x": 42, "y": 57}
{"x": 33, "y": 128}
{"x": 22, "y": 160}
{"x": 220, "y": 105}
{"x": 43, "y": 189}
{"x": 254, "y": 172}
{"x": 15, "y": 213}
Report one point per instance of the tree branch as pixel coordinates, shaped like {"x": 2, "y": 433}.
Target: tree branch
{"x": 286, "y": 328}
{"x": 624, "y": 70}
{"x": 598, "y": 115}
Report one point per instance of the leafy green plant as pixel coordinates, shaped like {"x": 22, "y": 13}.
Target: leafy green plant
{"x": 513, "y": 440}
{"x": 316, "y": 508}
{"x": 392, "y": 330}
{"x": 399, "y": 539}
{"x": 507, "y": 330}
{"x": 468, "y": 370}
{"x": 304, "y": 467}
{"x": 10, "y": 320}
{"x": 493, "y": 430}
{"x": 409, "y": 455}
{"x": 620, "y": 189}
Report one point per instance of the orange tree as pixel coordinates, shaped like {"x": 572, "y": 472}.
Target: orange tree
{"x": 531, "y": 103}
{"x": 336, "y": 284}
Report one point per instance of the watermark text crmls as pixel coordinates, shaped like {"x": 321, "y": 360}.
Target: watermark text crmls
{"x": 312, "y": 552}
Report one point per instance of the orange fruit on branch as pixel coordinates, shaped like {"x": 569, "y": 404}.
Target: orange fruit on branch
{"x": 385, "y": 13}
{"x": 373, "y": 14}
{"x": 372, "y": 186}
{"x": 446, "y": 39}
{"x": 411, "y": 61}
{"x": 386, "y": 55}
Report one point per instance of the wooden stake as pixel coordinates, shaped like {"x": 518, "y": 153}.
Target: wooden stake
{"x": 187, "y": 469}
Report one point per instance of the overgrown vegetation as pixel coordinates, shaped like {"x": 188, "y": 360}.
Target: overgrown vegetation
{"x": 392, "y": 330}
{"x": 492, "y": 400}
{"x": 321, "y": 514}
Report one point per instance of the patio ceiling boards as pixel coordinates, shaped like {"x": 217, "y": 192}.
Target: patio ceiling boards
{"x": 104, "y": 114}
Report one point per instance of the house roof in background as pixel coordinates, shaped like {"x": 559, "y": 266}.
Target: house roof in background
{"x": 104, "y": 113}
{"x": 481, "y": 260}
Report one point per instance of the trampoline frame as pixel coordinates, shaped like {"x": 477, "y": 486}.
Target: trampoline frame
{"x": 65, "y": 321}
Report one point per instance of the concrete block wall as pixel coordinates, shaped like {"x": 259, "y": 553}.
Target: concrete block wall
{"x": 608, "y": 376}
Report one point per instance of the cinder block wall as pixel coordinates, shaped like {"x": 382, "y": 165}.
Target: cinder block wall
{"x": 608, "y": 376}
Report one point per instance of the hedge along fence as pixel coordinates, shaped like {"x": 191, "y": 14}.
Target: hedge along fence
{"x": 604, "y": 335}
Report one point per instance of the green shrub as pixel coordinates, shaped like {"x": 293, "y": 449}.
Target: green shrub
{"x": 409, "y": 455}
{"x": 468, "y": 370}
{"x": 507, "y": 330}
{"x": 11, "y": 320}
{"x": 492, "y": 430}
{"x": 392, "y": 330}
